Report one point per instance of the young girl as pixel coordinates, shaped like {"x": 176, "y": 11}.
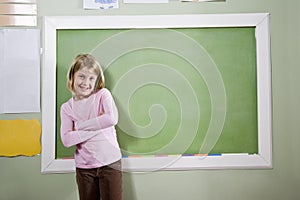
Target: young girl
{"x": 88, "y": 121}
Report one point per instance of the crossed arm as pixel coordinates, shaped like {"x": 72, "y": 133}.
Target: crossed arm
{"x": 73, "y": 133}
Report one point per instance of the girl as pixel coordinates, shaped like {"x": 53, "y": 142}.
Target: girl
{"x": 88, "y": 121}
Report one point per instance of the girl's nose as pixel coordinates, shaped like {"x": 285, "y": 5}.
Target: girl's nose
{"x": 85, "y": 81}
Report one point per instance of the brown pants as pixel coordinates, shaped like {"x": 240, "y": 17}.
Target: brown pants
{"x": 104, "y": 182}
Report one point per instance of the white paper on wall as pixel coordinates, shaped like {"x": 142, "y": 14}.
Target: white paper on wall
{"x": 100, "y": 4}
{"x": 19, "y": 70}
{"x": 146, "y": 1}
{"x": 202, "y": 0}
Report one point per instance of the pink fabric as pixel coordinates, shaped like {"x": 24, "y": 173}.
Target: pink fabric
{"x": 90, "y": 125}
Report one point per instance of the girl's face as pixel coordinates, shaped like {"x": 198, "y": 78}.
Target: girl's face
{"x": 84, "y": 83}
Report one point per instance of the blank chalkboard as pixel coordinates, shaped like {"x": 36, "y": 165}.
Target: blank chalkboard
{"x": 160, "y": 89}
{"x": 192, "y": 91}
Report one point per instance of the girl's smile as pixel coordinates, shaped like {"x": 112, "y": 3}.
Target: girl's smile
{"x": 84, "y": 83}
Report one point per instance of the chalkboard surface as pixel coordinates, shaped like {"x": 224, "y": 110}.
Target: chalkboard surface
{"x": 178, "y": 91}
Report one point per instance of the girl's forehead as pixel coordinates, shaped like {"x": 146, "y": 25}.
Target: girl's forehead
{"x": 87, "y": 71}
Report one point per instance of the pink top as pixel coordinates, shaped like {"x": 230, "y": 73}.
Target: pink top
{"x": 90, "y": 125}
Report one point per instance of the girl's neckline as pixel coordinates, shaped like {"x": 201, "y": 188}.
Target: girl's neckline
{"x": 86, "y": 98}
{"x": 76, "y": 99}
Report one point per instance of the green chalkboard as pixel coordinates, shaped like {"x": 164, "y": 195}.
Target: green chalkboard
{"x": 177, "y": 90}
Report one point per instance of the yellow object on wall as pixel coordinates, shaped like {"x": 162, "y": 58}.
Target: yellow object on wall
{"x": 20, "y": 137}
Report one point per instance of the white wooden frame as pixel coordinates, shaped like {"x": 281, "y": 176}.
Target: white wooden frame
{"x": 230, "y": 161}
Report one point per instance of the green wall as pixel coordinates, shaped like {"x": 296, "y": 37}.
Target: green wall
{"x": 20, "y": 177}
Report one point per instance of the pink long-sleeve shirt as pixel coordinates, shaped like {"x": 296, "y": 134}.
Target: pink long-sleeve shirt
{"x": 90, "y": 125}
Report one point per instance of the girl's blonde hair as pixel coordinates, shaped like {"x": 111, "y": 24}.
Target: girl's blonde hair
{"x": 81, "y": 61}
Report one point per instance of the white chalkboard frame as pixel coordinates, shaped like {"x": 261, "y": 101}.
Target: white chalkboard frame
{"x": 262, "y": 160}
